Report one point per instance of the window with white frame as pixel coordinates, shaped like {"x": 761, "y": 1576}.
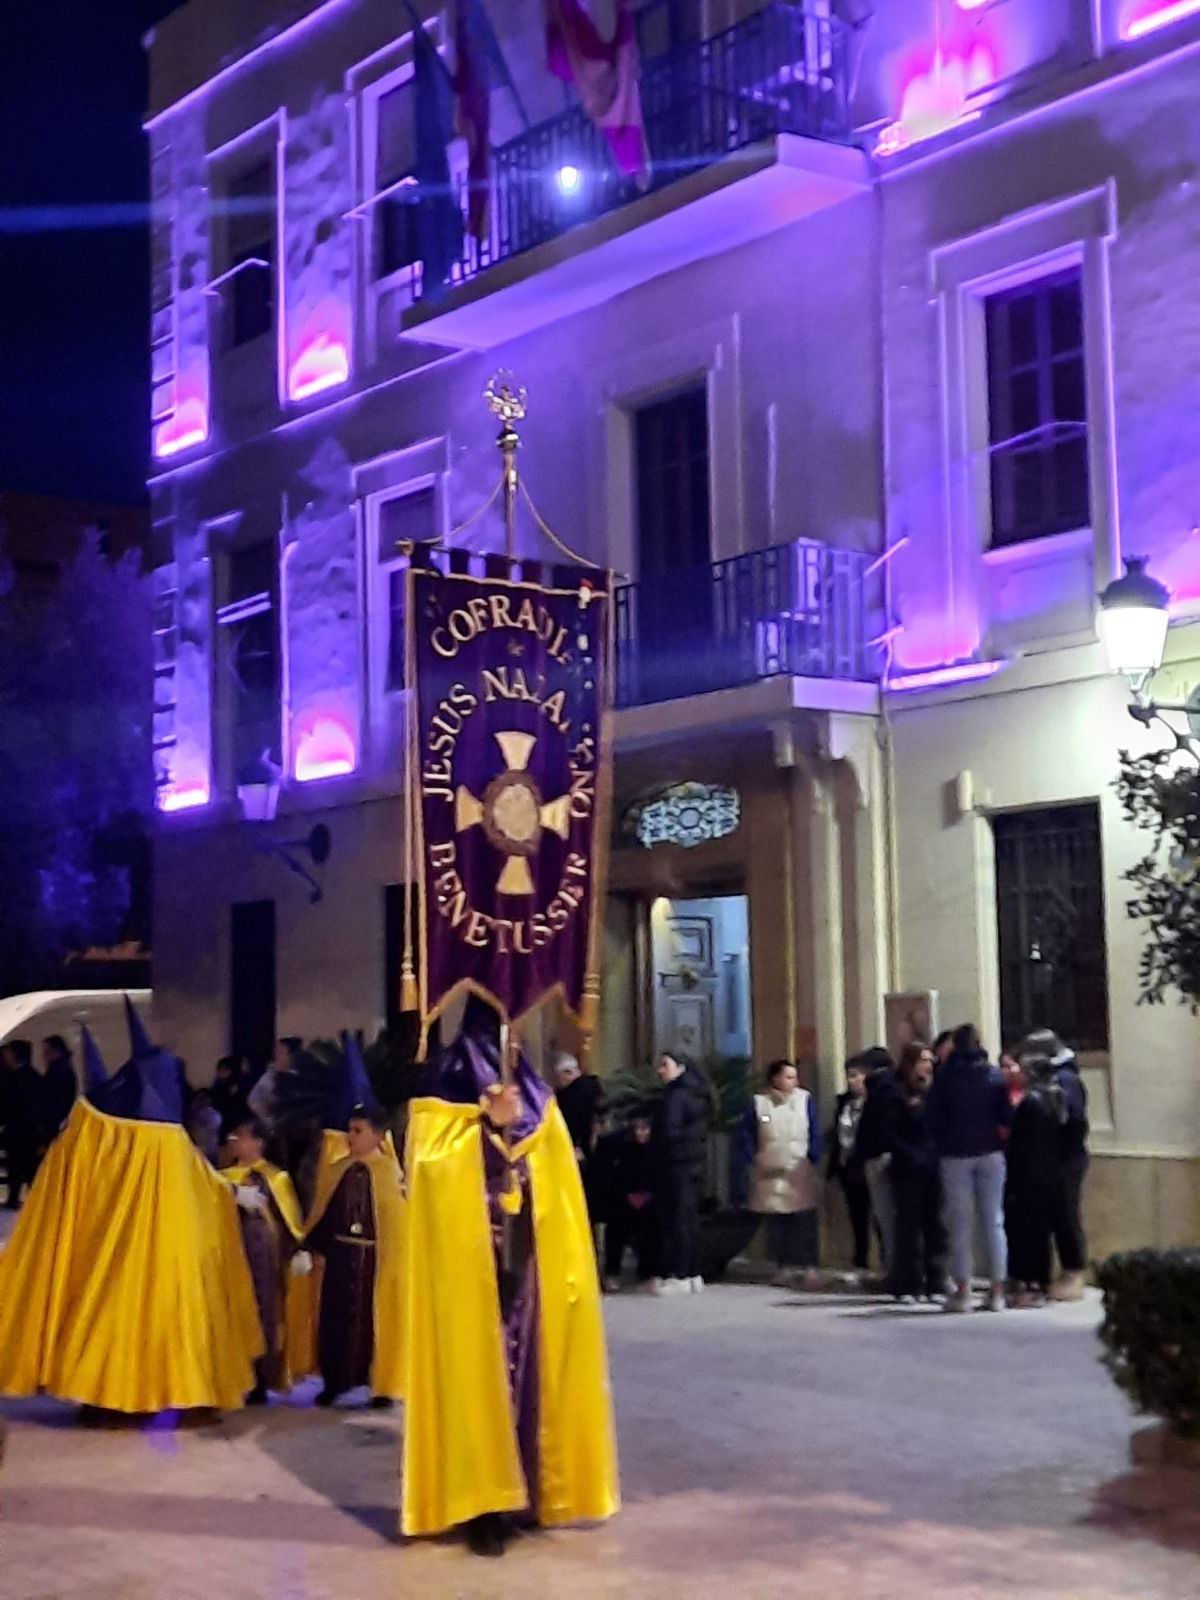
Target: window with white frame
{"x": 245, "y": 198}
{"x": 249, "y": 660}
{"x": 402, "y": 518}
{"x": 395, "y": 245}
{"x": 1037, "y": 408}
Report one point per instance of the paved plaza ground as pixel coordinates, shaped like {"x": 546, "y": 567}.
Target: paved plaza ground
{"x": 772, "y": 1445}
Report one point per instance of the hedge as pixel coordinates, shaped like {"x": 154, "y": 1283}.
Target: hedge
{"x": 1151, "y": 1332}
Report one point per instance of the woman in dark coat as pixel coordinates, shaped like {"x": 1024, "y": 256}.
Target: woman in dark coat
{"x": 919, "y": 1269}
{"x": 1033, "y": 1180}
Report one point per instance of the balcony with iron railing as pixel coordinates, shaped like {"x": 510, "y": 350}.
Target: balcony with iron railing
{"x": 791, "y": 610}
{"x": 752, "y": 124}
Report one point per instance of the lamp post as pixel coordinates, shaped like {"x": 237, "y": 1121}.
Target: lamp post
{"x": 1134, "y": 612}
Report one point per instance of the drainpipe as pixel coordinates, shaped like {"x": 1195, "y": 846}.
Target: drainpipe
{"x": 288, "y": 546}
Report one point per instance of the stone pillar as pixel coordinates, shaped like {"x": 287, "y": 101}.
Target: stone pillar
{"x": 870, "y": 952}
{"x": 817, "y": 914}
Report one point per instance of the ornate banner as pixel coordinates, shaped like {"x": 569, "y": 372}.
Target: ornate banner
{"x": 508, "y": 760}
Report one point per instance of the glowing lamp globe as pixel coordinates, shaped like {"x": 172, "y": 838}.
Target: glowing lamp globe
{"x": 1134, "y": 611}
{"x": 569, "y": 179}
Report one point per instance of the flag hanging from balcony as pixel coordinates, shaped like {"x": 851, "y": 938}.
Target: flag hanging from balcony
{"x": 508, "y": 788}
{"x": 479, "y": 67}
{"x": 439, "y": 218}
{"x": 605, "y": 74}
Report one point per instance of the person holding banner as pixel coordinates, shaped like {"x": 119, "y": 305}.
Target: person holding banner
{"x": 518, "y": 1427}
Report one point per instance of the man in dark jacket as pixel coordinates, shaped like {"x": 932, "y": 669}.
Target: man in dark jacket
{"x": 22, "y": 1110}
{"x": 59, "y": 1086}
{"x": 1066, "y": 1216}
{"x": 681, "y": 1143}
{"x": 966, "y": 1110}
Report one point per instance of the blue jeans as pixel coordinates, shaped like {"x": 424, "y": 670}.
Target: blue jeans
{"x": 973, "y": 1186}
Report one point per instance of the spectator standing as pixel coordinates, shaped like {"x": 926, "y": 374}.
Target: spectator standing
{"x": 228, "y": 1094}
{"x": 580, "y": 1098}
{"x": 843, "y": 1165}
{"x": 920, "y": 1266}
{"x": 1070, "y": 1240}
{"x": 60, "y": 1086}
{"x": 681, "y": 1144}
{"x": 1034, "y": 1176}
{"x": 872, "y": 1148}
{"x": 204, "y": 1126}
{"x": 783, "y": 1137}
{"x": 23, "y": 1115}
{"x": 622, "y": 1170}
{"x": 263, "y": 1100}
{"x": 968, "y": 1109}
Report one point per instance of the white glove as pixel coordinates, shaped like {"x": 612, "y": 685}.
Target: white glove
{"x": 250, "y": 1198}
{"x": 301, "y": 1264}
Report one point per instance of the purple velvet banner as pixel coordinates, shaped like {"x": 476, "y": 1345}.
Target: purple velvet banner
{"x": 511, "y": 689}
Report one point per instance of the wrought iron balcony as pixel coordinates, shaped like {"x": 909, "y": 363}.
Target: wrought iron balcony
{"x": 780, "y": 71}
{"x": 796, "y": 610}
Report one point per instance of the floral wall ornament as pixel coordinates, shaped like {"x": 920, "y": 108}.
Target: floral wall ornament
{"x": 685, "y": 814}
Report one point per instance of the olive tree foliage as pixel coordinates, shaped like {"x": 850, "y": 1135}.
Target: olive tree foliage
{"x": 76, "y": 774}
{"x": 1160, "y": 792}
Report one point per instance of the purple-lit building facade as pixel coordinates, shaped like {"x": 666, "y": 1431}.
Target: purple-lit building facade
{"x": 867, "y": 395}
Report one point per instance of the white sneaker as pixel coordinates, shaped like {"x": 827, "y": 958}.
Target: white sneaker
{"x": 960, "y": 1300}
{"x": 696, "y": 1285}
{"x": 996, "y": 1301}
{"x": 670, "y": 1286}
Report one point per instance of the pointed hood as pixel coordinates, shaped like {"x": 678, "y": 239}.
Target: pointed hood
{"x": 351, "y": 1086}
{"x": 161, "y": 1079}
{"x": 139, "y": 1039}
{"x": 465, "y": 1069}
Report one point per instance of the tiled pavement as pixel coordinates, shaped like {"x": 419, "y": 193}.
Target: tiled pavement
{"x": 772, "y": 1446}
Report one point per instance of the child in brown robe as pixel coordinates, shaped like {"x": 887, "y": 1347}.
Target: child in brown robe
{"x": 355, "y": 1229}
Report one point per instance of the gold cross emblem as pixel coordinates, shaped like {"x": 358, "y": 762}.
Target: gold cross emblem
{"x": 513, "y": 814}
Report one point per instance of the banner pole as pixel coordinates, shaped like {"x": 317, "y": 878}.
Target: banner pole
{"x": 506, "y": 400}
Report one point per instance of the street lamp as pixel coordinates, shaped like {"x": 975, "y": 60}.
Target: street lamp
{"x": 1134, "y": 613}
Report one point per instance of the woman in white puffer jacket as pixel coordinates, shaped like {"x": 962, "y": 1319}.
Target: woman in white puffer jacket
{"x": 782, "y": 1143}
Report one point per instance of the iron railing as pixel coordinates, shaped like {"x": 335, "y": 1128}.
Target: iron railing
{"x": 788, "y": 610}
{"x": 781, "y": 70}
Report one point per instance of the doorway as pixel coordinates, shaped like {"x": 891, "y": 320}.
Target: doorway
{"x": 700, "y": 960}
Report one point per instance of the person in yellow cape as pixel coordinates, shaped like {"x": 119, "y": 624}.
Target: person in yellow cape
{"x": 508, "y": 1412}
{"x": 357, "y": 1229}
{"x": 272, "y": 1228}
{"x": 125, "y": 1286}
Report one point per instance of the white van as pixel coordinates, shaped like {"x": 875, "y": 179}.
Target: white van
{"x": 45, "y": 1011}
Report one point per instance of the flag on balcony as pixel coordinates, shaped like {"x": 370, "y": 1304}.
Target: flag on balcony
{"x": 473, "y": 108}
{"x": 605, "y": 74}
{"x": 439, "y": 217}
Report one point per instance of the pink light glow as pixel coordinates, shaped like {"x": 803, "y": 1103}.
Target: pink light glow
{"x": 939, "y": 677}
{"x": 183, "y": 796}
{"x": 1160, "y": 16}
{"x": 936, "y": 97}
{"x": 323, "y": 363}
{"x": 972, "y": 5}
{"x": 324, "y": 749}
{"x": 186, "y": 427}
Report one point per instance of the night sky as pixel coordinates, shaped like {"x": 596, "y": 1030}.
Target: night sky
{"x": 74, "y": 251}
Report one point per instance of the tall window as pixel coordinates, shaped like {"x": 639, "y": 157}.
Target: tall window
{"x": 249, "y": 290}
{"x": 250, "y": 656}
{"x": 672, "y": 484}
{"x": 396, "y": 243}
{"x": 407, "y": 517}
{"x": 1037, "y": 400}
{"x": 252, "y": 980}
{"x": 1050, "y": 906}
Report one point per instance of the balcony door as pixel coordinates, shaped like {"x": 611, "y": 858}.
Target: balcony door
{"x": 674, "y": 541}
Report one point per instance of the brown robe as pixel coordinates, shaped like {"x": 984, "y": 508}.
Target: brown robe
{"x": 346, "y": 1237}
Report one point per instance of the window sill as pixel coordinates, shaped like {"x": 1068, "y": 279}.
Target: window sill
{"x": 1030, "y": 551}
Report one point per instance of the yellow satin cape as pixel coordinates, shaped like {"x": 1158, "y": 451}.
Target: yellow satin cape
{"x": 125, "y": 1284}
{"x": 387, "y": 1375}
{"x": 460, "y": 1454}
{"x": 299, "y": 1327}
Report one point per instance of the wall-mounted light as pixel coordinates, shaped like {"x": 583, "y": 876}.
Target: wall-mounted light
{"x": 182, "y": 796}
{"x": 323, "y": 363}
{"x": 938, "y": 97}
{"x": 568, "y": 180}
{"x": 184, "y": 429}
{"x": 1159, "y": 16}
{"x": 944, "y": 677}
{"x": 1134, "y": 613}
{"x": 317, "y": 844}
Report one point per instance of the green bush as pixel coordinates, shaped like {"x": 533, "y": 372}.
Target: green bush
{"x": 1151, "y": 1332}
